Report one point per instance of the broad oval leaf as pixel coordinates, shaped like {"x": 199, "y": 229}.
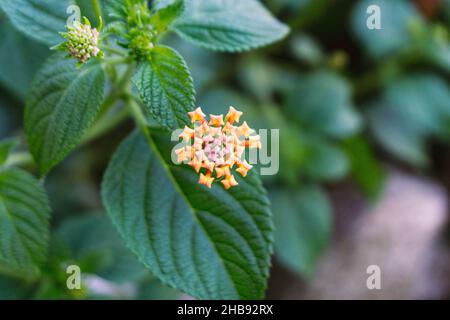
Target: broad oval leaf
{"x": 166, "y": 87}
{"x": 63, "y": 103}
{"x": 229, "y": 25}
{"x": 24, "y": 221}
{"x": 40, "y": 20}
{"x": 209, "y": 243}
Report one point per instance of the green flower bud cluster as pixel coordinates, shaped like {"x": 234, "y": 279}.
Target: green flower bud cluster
{"x": 141, "y": 43}
{"x": 81, "y": 41}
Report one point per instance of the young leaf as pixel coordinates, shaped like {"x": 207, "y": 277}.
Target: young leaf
{"x": 166, "y": 87}
{"x": 24, "y": 221}
{"x": 303, "y": 227}
{"x": 209, "y": 243}
{"x": 63, "y": 103}
{"x": 40, "y": 20}
{"x": 6, "y": 146}
{"x": 165, "y": 16}
{"x": 229, "y": 25}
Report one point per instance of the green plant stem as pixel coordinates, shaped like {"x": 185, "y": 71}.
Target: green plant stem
{"x": 113, "y": 50}
{"x": 105, "y": 124}
{"x": 115, "y": 61}
{"x": 138, "y": 116}
{"x": 97, "y": 8}
{"x": 117, "y": 91}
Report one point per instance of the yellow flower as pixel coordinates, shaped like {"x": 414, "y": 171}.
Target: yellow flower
{"x": 217, "y": 146}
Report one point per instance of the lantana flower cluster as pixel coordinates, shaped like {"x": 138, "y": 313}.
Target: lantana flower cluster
{"x": 213, "y": 148}
{"x": 82, "y": 41}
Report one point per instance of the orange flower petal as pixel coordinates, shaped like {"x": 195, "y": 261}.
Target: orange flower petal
{"x": 197, "y": 115}
{"x": 206, "y": 180}
{"x": 233, "y": 115}
{"x": 216, "y": 121}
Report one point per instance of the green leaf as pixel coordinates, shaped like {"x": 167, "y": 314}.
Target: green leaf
{"x": 323, "y": 160}
{"x": 303, "y": 227}
{"x": 165, "y": 16}
{"x": 307, "y": 50}
{"x": 63, "y": 104}
{"x": 365, "y": 168}
{"x": 37, "y": 19}
{"x": 436, "y": 47}
{"x": 166, "y": 87}
{"x": 115, "y": 9}
{"x": 320, "y": 102}
{"x": 6, "y": 147}
{"x": 229, "y": 25}
{"x": 93, "y": 242}
{"x": 412, "y": 109}
{"x": 208, "y": 243}
{"x": 17, "y": 65}
{"x": 397, "y": 18}
{"x": 24, "y": 221}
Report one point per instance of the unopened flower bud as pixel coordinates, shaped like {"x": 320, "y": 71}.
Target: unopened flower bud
{"x": 81, "y": 41}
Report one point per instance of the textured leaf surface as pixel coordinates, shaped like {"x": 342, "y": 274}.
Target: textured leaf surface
{"x": 211, "y": 244}
{"x": 63, "y": 103}
{"x": 229, "y": 25}
{"x": 166, "y": 87}
{"x": 303, "y": 226}
{"x": 24, "y": 221}
{"x": 40, "y": 20}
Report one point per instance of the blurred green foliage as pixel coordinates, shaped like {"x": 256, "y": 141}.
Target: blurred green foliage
{"x": 344, "y": 97}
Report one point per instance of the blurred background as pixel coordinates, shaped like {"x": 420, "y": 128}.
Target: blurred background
{"x": 364, "y": 119}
